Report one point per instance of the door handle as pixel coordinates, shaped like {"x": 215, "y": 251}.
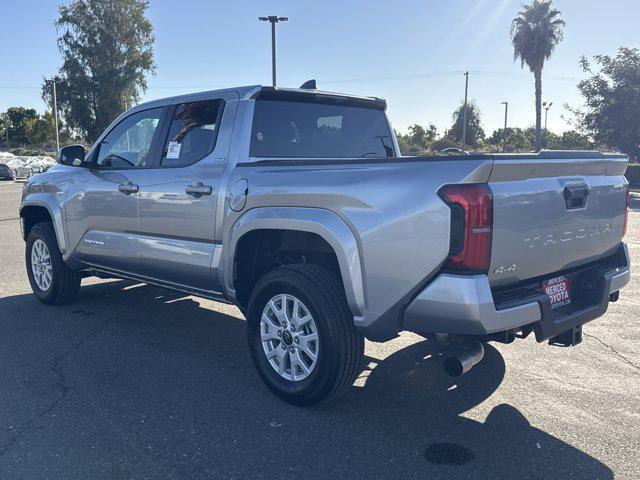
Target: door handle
{"x": 198, "y": 189}
{"x": 575, "y": 196}
{"x": 128, "y": 188}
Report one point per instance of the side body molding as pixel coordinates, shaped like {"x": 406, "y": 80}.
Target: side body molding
{"x": 314, "y": 220}
{"x": 48, "y": 201}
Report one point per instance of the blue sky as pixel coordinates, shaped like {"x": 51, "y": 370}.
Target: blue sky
{"x": 403, "y": 51}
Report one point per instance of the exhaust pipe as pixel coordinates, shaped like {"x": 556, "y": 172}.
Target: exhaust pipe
{"x": 468, "y": 354}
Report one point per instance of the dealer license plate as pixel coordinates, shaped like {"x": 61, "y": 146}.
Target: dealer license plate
{"x": 558, "y": 291}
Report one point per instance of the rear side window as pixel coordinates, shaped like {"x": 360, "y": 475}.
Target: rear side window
{"x": 319, "y": 130}
{"x": 192, "y": 134}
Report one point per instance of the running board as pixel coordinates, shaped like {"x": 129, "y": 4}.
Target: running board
{"x": 95, "y": 270}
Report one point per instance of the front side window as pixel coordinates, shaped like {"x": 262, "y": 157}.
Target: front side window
{"x": 304, "y": 129}
{"x": 192, "y": 134}
{"x": 129, "y": 143}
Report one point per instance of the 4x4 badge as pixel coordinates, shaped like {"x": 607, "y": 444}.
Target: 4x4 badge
{"x": 505, "y": 268}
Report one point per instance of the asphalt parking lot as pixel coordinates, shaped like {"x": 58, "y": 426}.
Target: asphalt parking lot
{"x": 135, "y": 382}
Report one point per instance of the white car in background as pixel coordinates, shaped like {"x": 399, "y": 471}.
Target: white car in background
{"x": 39, "y": 164}
{"x": 19, "y": 168}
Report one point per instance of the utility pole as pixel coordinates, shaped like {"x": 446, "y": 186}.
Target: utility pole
{"x": 504, "y": 136}
{"x": 55, "y": 115}
{"x": 464, "y": 114}
{"x": 273, "y": 19}
{"x": 546, "y": 106}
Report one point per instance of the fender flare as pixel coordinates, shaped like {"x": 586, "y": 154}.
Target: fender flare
{"x": 324, "y": 223}
{"x": 42, "y": 200}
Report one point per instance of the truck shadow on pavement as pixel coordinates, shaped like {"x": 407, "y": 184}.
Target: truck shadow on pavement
{"x": 146, "y": 383}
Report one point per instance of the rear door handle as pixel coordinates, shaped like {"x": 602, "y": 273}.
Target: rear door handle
{"x": 128, "y": 188}
{"x": 198, "y": 189}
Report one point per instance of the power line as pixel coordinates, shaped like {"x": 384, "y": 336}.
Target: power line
{"x": 520, "y": 75}
{"x": 350, "y": 80}
{"x": 398, "y": 77}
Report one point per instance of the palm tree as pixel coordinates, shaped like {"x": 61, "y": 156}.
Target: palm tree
{"x": 535, "y": 32}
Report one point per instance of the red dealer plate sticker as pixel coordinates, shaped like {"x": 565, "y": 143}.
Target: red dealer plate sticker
{"x": 558, "y": 291}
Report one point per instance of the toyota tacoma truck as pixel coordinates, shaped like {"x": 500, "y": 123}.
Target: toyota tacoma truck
{"x": 297, "y": 206}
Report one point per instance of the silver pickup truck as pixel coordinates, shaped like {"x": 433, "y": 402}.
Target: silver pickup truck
{"x": 296, "y": 205}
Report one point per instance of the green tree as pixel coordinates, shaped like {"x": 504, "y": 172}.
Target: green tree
{"x": 535, "y": 32}
{"x": 107, "y": 50}
{"x": 475, "y": 133}
{"x": 612, "y": 101}
{"x": 5, "y": 127}
{"x": 27, "y": 127}
{"x": 418, "y": 140}
{"x": 571, "y": 140}
{"x": 518, "y": 140}
{"x": 42, "y": 130}
{"x": 20, "y": 120}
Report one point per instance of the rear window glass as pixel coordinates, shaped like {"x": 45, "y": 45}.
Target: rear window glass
{"x": 192, "y": 134}
{"x": 319, "y": 130}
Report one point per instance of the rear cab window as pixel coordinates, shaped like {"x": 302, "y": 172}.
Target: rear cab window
{"x": 192, "y": 133}
{"x": 319, "y": 128}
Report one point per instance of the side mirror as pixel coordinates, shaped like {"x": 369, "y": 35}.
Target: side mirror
{"x": 72, "y": 155}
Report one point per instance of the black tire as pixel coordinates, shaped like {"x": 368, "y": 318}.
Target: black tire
{"x": 65, "y": 282}
{"x": 341, "y": 346}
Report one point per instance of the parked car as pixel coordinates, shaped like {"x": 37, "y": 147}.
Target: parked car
{"x": 39, "y": 164}
{"x": 296, "y": 206}
{"x": 453, "y": 151}
{"x": 19, "y": 169}
{"x": 34, "y": 164}
{"x": 5, "y": 170}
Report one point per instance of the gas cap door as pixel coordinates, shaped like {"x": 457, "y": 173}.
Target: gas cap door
{"x": 238, "y": 195}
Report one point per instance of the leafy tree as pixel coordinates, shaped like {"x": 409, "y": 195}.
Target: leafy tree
{"x": 571, "y": 140}
{"x": 42, "y": 130}
{"x": 27, "y": 127}
{"x": 474, "y": 129}
{"x": 518, "y": 139}
{"x": 418, "y": 140}
{"x": 521, "y": 140}
{"x": 107, "y": 50}
{"x": 535, "y": 32}
{"x": 20, "y": 120}
{"x": 5, "y": 127}
{"x": 612, "y": 101}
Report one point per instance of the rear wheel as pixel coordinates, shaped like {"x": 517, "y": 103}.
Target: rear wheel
{"x": 301, "y": 334}
{"x": 52, "y": 281}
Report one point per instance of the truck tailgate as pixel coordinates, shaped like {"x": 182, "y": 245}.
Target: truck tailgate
{"x": 554, "y": 211}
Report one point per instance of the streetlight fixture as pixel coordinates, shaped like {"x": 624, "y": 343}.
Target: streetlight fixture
{"x": 546, "y": 107}
{"x": 504, "y": 136}
{"x": 273, "y": 19}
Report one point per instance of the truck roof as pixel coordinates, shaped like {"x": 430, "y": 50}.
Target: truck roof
{"x": 260, "y": 91}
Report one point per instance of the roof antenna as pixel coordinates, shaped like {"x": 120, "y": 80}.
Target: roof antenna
{"x": 309, "y": 85}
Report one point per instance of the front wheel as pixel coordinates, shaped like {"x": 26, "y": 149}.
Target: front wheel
{"x": 52, "y": 281}
{"x": 301, "y": 334}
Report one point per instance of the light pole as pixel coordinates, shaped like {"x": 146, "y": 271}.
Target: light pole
{"x": 464, "y": 114}
{"x": 546, "y": 107}
{"x": 504, "y": 136}
{"x": 273, "y": 19}
{"x": 55, "y": 114}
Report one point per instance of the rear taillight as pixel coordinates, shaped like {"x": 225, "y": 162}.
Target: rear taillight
{"x": 626, "y": 213}
{"x": 471, "y": 226}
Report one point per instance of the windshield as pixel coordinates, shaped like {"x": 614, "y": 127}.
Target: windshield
{"x": 319, "y": 130}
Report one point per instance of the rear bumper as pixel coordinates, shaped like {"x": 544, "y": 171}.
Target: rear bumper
{"x": 465, "y": 304}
